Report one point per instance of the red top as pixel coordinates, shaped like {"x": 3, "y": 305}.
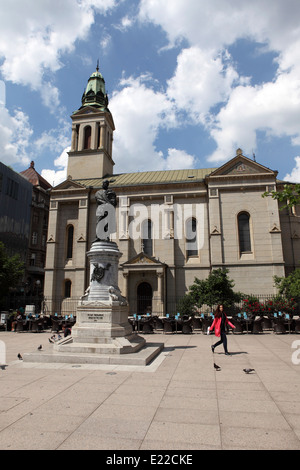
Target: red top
{"x": 216, "y": 324}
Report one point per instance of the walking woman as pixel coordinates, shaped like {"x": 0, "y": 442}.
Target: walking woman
{"x": 219, "y": 324}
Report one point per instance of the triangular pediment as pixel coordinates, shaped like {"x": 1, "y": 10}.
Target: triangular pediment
{"x": 275, "y": 229}
{"x": 143, "y": 259}
{"x": 69, "y": 184}
{"x": 215, "y": 231}
{"x": 51, "y": 239}
{"x": 98, "y": 112}
{"x": 86, "y": 110}
{"x": 242, "y": 166}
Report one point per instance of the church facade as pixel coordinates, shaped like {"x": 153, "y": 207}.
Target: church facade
{"x": 171, "y": 226}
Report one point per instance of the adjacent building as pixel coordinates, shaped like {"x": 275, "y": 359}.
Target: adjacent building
{"x": 24, "y": 211}
{"x": 15, "y": 205}
{"x": 36, "y": 250}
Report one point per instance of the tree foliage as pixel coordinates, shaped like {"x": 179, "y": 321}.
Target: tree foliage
{"x": 11, "y": 271}
{"x": 186, "y": 305}
{"x": 289, "y": 286}
{"x": 216, "y": 289}
{"x": 290, "y": 195}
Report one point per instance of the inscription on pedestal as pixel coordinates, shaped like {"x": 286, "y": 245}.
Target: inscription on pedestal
{"x": 92, "y": 317}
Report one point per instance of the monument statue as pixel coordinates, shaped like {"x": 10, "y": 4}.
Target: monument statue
{"x": 105, "y": 213}
{"x": 102, "y": 333}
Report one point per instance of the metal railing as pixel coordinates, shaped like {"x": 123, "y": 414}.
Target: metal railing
{"x": 137, "y": 305}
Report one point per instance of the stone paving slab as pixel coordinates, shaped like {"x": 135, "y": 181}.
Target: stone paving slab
{"x": 177, "y": 402}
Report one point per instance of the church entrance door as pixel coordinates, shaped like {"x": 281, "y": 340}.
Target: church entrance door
{"x": 144, "y": 298}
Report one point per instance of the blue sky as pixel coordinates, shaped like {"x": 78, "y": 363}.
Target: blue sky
{"x": 188, "y": 81}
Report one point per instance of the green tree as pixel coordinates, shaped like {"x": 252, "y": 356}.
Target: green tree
{"x": 216, "y": 289}
{"x": 186, "y": 305}
{"x": 289, "y": 286}
{"x": 11, "y": 271}
{"x": 290, "y": 195}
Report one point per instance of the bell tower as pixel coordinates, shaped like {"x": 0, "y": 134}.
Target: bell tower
{"x": 92, "y": 133}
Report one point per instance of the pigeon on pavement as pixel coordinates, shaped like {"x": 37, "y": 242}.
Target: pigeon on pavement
{"x": 19, "y": 356}
{"x": 40, "y": 347}
{"x": 217, "y": 367}
{"x": 247, "y": 371}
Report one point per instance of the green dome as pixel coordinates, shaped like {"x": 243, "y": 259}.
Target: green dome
{"x": 95, "y": 94}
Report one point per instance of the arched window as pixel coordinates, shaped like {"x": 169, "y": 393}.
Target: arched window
{"x": 70, "y": 238}
{"x": 191, "y": 237}
{"x": 68, "y": 285}
{"x": 87, "y": 137}
{"x": 147, "y": 246}
{"x": 244, "y": 232}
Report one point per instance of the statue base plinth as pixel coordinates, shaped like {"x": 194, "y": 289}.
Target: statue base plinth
{"x": 102, "y": 328}
{"x": 48, "y": 355}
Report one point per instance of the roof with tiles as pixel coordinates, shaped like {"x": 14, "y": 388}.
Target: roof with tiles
{"x": 35, "y": 178}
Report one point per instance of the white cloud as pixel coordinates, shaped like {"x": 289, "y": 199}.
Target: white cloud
{"x": 208, "y": 25}
{"x": 40, "y": 33}
{"x": 105, "y": 42}
{"x": 139, "y": 113}
{"x": 200, "y": 82}
{"x": 273, "y": 107}
{"x": 294, "y": 176}
{"x": 204, "y": 76}
{"x": 215, "y": 24}
{"x": 179, "y": 159}
{"x": 2, "y": 94}
{"x": 125, "y": 23}
{"x": 205, "y": 87}
{"x": 15, "y": 134}
{"x": 102, "y": 5}
{"x": 55, "y": 177}
{"x": 55, "y": 140}
{"x": 33, "y": 37}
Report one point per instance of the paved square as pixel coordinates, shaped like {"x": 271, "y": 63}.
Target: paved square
{"x": 179, "y": 401}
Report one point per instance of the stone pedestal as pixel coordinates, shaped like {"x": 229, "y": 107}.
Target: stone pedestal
{"x": 101, "y": 329}
{"x": 104, "y": 263}
{"x": 102, "y": 333}
{"x": 102, "y": 325}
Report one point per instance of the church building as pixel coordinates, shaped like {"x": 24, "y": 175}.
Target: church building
{"x": 171, "y": 226}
